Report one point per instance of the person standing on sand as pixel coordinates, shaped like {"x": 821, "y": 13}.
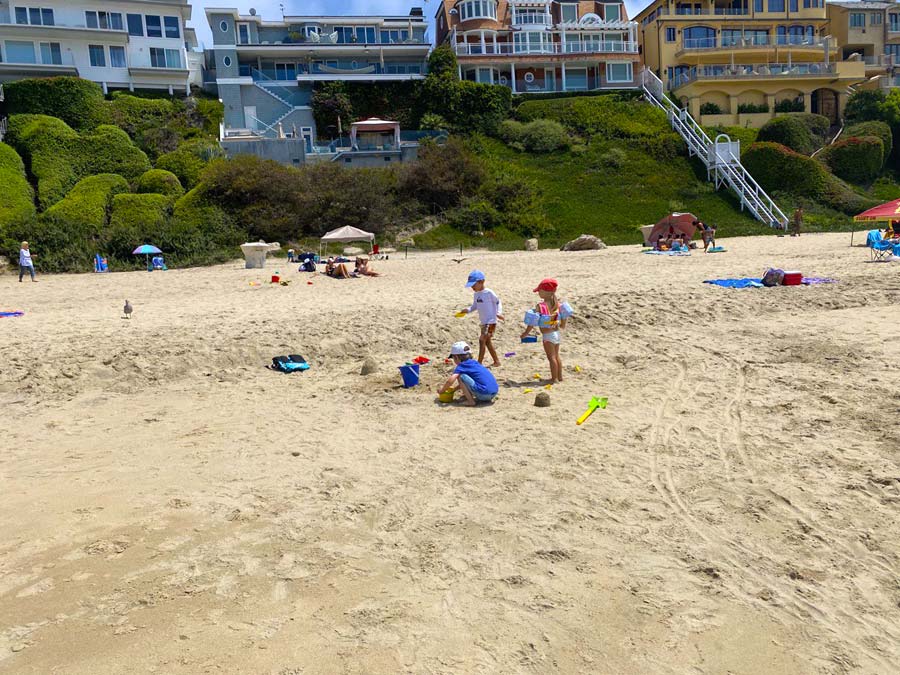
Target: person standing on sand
{"x": 25, "y": 262}
{"x": 798, "y": 221}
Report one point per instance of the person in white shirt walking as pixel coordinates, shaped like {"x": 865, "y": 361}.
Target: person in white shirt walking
{"x": 489, "y": 310}
{"x": 25, "y": 262}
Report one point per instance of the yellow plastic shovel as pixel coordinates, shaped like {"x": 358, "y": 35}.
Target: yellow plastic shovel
{"x": 592, "y": 406}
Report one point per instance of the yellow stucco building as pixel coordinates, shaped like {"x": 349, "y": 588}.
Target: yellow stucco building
{"x": 741, "y": 62}
{"x": 869, "y": 32}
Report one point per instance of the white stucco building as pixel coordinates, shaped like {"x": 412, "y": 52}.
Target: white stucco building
{"x": 120, "y": 44}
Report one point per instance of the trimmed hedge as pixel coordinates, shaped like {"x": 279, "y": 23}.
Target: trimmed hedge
{"x": 878, "y": 129}
{"x": 86, "y": 207}
{"x": 135, "y": 219}
{"x": 200, "y": 232}
{"x": 746, "y": 135}
{"x": 858, "y": 160}
{"x": 79, "y": 103}
{"x": 161, "y": 182}
{"x": 778, "y": 168}
{"x": 16, "y": 195}
{"x": 189, "y": 160}
{"x": 58, "y": 157}
{"x": 789, "y": 131}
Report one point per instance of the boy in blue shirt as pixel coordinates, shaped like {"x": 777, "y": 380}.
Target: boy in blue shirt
{"x": 474, "y": 380}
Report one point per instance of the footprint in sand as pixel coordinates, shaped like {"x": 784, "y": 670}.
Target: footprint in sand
{"x": 41, "y": 586}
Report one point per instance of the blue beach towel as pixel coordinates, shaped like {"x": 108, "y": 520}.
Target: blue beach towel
{"x": 747, "y": 282}
{"x": 6, "y": 315}
{"x": 674, "y": 253}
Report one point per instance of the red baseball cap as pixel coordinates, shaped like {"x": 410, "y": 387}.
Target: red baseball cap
{"x": 548, "y": 285}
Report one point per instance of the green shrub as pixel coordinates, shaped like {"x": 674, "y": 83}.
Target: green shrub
{"x": 536, "y": 136}
{"x": 79, "y": 103}
{"x": 200, "y": 232}
{"x": 86, "y": 207}
{"x": 400, "y": 101}
{"x": 864, "y": 106}
{"x": 818, "y": 125}
{"x": 211, "y": 113}
{"x": 58, "y": 157}
{"x": 433, "y": 122}
{"x": 789, "y": 131}
{"x": 159, "y": 181}
{"x": 442, "y": 61}
{"x": 443, "y": 175}
{"x": 474, "y": 217}
{"x": 151, "y": 123}
{"x": 752, "y": 108}
{"x": 746, "y": 135}
{"x": 858, "y": 160}
{"x": 878, "y": 129}
{"x": 135, "y": 220}
{"x": 16, "y": 195}
{"x": 778, "y": 168}
{"x": 330, "y": 102}
{"x": 788, "y": 105}
{"x": 190, "y": 159}
{"x": 710, "y": 108}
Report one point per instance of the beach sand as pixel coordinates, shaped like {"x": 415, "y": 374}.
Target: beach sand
{"x": 169, "y": 505}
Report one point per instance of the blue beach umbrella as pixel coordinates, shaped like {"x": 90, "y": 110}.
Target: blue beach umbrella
{"x": 146, "y": 250}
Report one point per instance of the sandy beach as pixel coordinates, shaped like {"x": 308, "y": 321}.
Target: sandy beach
{"x": 171, "y": 506}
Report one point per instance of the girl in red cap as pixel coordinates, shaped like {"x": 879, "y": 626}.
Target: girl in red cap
{"x": 550, "y": 316}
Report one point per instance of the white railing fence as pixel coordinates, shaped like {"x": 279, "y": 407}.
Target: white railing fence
{"x": 721, "y": 158}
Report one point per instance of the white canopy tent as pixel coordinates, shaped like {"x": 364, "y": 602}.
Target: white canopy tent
{"x": 345, "y": 235}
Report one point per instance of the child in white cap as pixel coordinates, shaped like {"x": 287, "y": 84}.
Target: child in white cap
{"x": 476, "y": 382}
{"x": 489, "y": 308}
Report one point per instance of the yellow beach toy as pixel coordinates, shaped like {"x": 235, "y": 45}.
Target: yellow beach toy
{"x": 446, "y": 397}
{"x": 460, "y": 315}
{"x": 592, "y": 406}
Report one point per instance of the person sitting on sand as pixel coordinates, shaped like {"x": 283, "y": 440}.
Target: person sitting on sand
{"x": 362, "y": 268}
{"x": 476, "y": 382}
{"x": 336, "y": 270}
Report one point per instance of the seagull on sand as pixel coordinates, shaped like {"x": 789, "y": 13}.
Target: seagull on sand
{"x": 128, "y": 309}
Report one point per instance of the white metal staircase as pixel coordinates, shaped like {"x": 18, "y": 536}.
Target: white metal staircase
{"x": 721, "y": 157}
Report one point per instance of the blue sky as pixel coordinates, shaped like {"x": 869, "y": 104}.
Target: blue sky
{"x": 270, "y": 9}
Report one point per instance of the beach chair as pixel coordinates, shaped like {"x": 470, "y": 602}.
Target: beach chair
{"x": 879, "y": 249}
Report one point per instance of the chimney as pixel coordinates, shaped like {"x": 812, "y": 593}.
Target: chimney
{"x": 417, "y": 11}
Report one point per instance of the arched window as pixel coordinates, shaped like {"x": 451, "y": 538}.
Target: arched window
{"x": 477, "y": 9}
{"x": 699, "y": 37}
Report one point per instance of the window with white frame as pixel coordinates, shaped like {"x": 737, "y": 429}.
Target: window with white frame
{"x": 612, "y": 12}
{"x": 568, "y": 12}
{"x": 51, "y": 53}
{"x": 135, "y": 24}
{"x": 619, "y": 72}
{"x": 243, "y": 30}
{"x": 103, "y": 20}
{"x": 154, "y": 26}
{"x": 117, "y": 57}
{"x": 172, "y": 26}
{"x": 531, "y": 17}
{"x": 165, "y": 58}
{"x": 35, "y": 16}
{"x": 477, "y": 9}
{"x": 20, "y": 52}
{"x": 97, "y": 54}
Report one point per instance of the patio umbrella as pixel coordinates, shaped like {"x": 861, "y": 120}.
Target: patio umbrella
{"x": 146, "y": 250}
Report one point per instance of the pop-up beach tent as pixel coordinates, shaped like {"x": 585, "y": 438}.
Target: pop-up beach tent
{"x": 345, "y": 235}
{"x": 680, "y": 223}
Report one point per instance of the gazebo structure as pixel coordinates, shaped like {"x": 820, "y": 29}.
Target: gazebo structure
{"x": 375, "y": 134}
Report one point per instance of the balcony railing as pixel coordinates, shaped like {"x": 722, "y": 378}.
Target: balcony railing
{"x": 879, "y": 60}
{"x": 728, "y": 72}
{"x": 66, "y": 59}
{"x": 752, "y": 42}
{"x": 513, "y": 49}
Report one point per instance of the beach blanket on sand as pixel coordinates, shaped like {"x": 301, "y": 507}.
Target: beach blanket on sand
{"x": 678, "y": 253}
{"x": 5, "y": 315}
{"x": 749, "y": 282}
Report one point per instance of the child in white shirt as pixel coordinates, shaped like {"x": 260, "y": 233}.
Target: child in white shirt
{"x": 489, "y": 310}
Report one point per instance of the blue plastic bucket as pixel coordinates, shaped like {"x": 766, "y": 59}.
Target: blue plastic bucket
{"x": 410, "y": 375}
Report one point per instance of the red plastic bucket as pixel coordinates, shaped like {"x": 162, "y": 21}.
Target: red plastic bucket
{"x": 275, "y": 278}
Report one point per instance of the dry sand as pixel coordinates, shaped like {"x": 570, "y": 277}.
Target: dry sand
{"x": 169, "y": 505}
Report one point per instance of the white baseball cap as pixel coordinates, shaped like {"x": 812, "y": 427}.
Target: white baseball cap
{"x": 460, "y": 349}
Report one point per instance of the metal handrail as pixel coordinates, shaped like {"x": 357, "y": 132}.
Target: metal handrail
{"x": 514, "y": 49}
